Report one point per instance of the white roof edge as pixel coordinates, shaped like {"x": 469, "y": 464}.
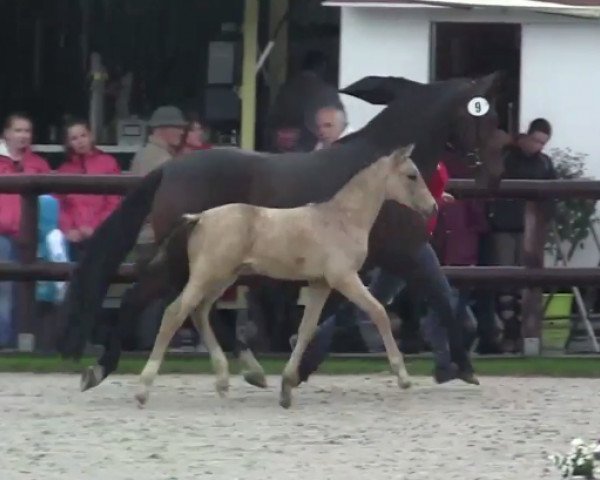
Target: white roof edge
{"x": 527, "y": 5}
{"x": 343, "y": 3}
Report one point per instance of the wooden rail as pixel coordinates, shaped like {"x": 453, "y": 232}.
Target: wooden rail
{"x": 29, "y": 269}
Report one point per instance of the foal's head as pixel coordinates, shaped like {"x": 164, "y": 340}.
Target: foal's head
{"x": 405, "y": 184}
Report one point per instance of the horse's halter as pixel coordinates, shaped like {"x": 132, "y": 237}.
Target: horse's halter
{"x": 472, "y": 156}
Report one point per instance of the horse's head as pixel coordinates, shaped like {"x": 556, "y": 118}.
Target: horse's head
{"x": 465, "y": 107}
{"x": 474, "y": 133}
{"x": 405, "y": 185}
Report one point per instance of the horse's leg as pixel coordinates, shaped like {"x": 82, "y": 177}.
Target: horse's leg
{"x": 246, "y": 326}
{"x": 252, "y": 371}
{"x": 317, "y": 294}
{"x": 173, "y": 318}
{"x": 353, "y": 289}
{"x": 201, "y": 320}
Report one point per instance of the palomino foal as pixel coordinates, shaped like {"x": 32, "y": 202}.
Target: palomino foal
{"x": 324, "y": 244}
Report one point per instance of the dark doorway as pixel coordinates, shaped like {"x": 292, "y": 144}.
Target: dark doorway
{"x": 471, "y": 49}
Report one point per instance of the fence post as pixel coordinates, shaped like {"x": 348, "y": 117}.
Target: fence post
{"x": 534, "y": 240}
{"x": 28, "y": 240}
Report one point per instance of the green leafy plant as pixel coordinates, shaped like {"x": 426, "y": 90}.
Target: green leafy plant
{"x": 574, "y": 217}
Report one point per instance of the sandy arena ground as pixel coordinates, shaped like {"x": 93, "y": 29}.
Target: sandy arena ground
{"x": 338, "y": 428}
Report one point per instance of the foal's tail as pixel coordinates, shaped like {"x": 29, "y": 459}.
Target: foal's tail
{"x": 106, "y": 250}
{"x": 170, "y": 246}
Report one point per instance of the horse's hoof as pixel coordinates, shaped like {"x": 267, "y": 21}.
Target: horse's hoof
{"x": 285, "y": 396}
{"x": 404, "y": 383}
{"x": 446, "y": 374}
{"x": 256, "y": 379}
{"x": 468, "y": 377}
{"x": 142, "y": 398}
{"x": 222, "y": 386}
{"x": 91, "y": 377}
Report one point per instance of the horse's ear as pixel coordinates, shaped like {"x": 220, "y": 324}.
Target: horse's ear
{"x": 488, "y": 85}
{"x": 377, "y": 90}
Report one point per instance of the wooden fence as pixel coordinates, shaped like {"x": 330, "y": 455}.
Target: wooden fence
{"x": 532, "y": 275}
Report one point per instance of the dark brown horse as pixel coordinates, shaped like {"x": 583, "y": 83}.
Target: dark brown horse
{"x": 425, "y": 114}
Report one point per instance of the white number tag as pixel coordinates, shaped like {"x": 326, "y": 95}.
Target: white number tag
{"x": 478, "y": 106}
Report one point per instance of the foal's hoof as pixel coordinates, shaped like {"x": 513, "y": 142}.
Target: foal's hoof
{"x": 222, "y": 386}
{"x": 404, "y": 383}
{"x": 256, "y": 379}
{"x": 285, "y": 397}
{"x": 142, "y": 398}
{"x": 468, "y": 377}
{"x": 91, "y": 377}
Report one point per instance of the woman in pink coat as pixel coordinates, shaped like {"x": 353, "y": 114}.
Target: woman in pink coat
{"x": 81, "y": 214}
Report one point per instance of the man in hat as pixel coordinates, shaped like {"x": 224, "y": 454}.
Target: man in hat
{"x": 167, "y": 128}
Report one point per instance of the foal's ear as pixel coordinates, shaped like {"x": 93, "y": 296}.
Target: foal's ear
{"x": 402, "y": 154}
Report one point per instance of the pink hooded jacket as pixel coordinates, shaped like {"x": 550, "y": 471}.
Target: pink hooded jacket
{"x": 84, "y": 210}
{"x": 10, "y": 204}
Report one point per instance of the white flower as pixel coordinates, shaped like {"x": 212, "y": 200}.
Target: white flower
{"x": 580, "y": 462}
{"x": 577, "y": 442}
{"x": 597, "y": 448}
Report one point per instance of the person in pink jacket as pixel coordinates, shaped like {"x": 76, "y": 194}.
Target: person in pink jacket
{"x": 81, "y": 214}
{"x": 16, "y": 157}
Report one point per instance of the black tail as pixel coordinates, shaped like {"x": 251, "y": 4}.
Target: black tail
{"x": 106, "y": 250}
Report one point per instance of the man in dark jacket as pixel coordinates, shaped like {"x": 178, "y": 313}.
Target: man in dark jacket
{"x": 523, "y": 160}
{"x": 506, "y": 218}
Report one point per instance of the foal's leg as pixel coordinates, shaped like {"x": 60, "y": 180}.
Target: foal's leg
{"x": 317, "y": 294}
{"x": 152, "y": 283}
{"x": 201, "y": 319}
{"x": 173, "y": 318}
{"x": 353, "y": 289}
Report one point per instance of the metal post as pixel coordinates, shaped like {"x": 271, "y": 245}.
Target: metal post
{"x": 577, "y": 293}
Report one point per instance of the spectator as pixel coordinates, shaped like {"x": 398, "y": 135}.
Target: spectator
{"x": 331, "y": 125}
{"x": 523, "y": 160}
{"x": 195, "y": 136}
{"x": 167, "y": 129}
{"x": 461, "y": 223}
{"x": 15, "y": 157}
{"x": 291, "y": 119}
{"x": 81, "y": 214}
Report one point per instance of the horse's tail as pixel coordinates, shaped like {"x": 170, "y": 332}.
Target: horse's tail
{"x": 105, "y": 251}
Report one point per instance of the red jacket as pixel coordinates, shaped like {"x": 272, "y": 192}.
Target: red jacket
{"x": 10, "y": 204}
{"x": 83, "y": 210}
{"x": 460, "y": 225}
{"x": 437, "y": 186}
